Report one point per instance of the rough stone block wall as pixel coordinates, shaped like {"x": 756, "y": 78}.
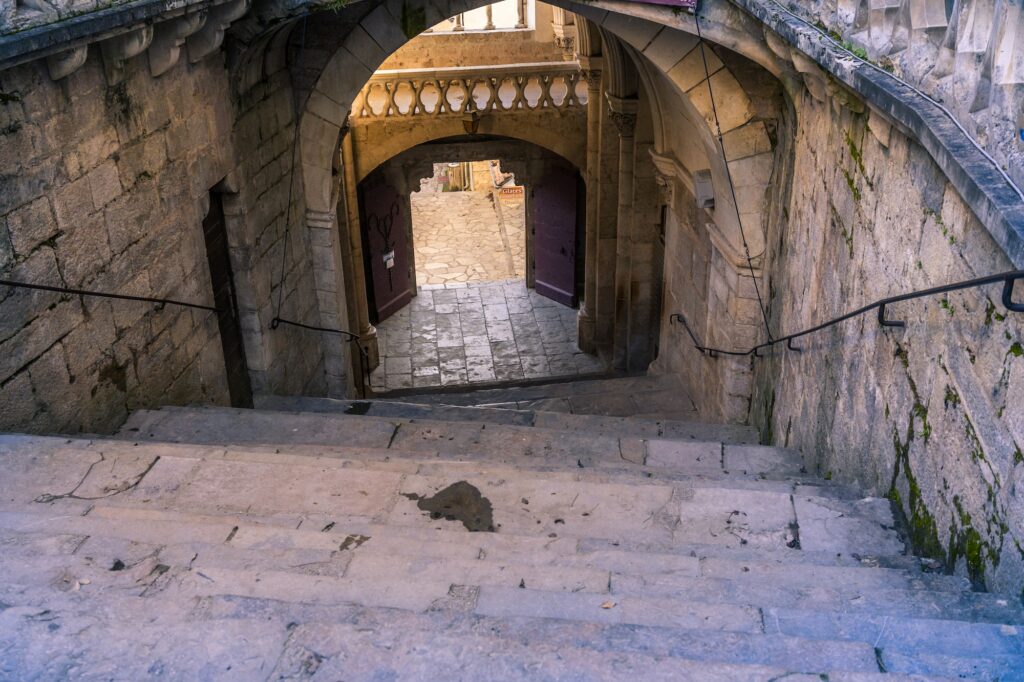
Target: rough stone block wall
{"x": 106, "y": 188}
{"x": 931, "y": 415}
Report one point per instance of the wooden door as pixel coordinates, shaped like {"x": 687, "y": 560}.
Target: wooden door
{"x": 553, "y": 210}
{"x": 216, "y": 236}
{"x": 386, "y": 247}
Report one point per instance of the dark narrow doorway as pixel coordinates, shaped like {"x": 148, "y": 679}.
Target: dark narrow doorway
{"x": 216, "y": 236}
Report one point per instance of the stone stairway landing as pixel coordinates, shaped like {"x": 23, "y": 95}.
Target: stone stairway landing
{"x": 363, "y": 540}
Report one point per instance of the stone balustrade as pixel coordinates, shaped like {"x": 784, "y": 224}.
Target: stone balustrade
{"x": 464, "y": 90}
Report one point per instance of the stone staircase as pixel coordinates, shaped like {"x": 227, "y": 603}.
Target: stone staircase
{"x": 472, "y": 536}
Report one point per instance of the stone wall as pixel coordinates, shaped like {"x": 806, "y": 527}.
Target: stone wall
{"x": 434, "y": 50}
{"x": 968, "y": 54}
{"x": 105, "y": 187}
{"x": 929, "y": 415}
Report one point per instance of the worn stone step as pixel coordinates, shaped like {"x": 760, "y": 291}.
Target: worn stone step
{"x": 583, "y": 423}
{"x": 141, "y": 531}
{"x": 652, "y": 512}
{"x": 238, "y": 427}
{"x": 283, "y": 640}
{"x": 906, "y": 637}
{"x": 826, "y": 595}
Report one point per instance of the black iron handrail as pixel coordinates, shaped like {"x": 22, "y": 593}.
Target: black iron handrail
{"x": 1007, "y": 278}
{"x": 160, "y": 302}
{"x": 364, "y": 358}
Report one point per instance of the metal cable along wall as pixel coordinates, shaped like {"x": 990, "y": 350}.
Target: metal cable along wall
{"x": 1007, "y": 278}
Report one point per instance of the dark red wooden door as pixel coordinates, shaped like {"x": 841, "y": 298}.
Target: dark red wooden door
{"x": 553, "y": 206}
{"x": 386, "y": 248}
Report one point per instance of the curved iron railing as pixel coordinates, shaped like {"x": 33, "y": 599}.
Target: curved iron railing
{"x": 1007, "y": 278}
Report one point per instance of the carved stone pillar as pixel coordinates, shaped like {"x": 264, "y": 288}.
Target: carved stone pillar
{"x": 623, "y": 115}
{"x": 587, "y": 317}
{"x": 356, "y": 283}
{"x": 490, "y": 18}
{"x": 458, "y": 23}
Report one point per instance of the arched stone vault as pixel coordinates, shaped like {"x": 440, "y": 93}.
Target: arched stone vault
{"x": 405, "y": 134}
{"x": 330, "y": 75}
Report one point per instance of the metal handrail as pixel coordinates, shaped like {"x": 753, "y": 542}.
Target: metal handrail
{"x": 1007, "y": 278}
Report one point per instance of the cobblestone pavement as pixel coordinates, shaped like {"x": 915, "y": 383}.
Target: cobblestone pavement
{"x": 460, "y": 237}
{"x": 494, "y": 331}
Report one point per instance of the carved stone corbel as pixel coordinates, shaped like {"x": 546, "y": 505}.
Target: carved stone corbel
{"x": 63, "y": 64}
{"x": 170, "y": 37}
{"x": 208, "y": 39}
{"x": 119, "y": 49}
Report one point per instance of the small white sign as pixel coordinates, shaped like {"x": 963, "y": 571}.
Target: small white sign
{"x": 389, "y": 260}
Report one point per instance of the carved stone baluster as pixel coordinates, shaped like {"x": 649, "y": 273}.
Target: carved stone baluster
{"x": 520, "y": 83}
{"x": 458, "y": 23}
{"x": 520, "y": 13}
{"x": 443, "y": 105}
{"x": 392, "y": 107}
{"x": 490, "y": 18}
{"x": 545, "y": 100}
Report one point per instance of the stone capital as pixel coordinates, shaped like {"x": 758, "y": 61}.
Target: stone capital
{"x": 623, "y": 113}
{"x": 592, "y": 77}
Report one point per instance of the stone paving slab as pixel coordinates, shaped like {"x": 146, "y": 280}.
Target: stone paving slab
{"x": 481, "y": 332}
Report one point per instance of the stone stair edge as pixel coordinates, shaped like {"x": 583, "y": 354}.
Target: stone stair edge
{"x": 353, "y": 619}
{"x": 413, "y": 460}
{"x": 594, "y": 380}
{"x": 106, "y": 518}
{"x": 510, "y": 415}
{"x": 146, "y": 414}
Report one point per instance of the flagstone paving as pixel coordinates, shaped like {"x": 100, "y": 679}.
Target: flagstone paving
{"x": 479, "y": 332}
{"x": 461, "y": 237}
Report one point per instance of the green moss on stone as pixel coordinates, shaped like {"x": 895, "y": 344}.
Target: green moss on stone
{"x": 952, "y": 398}
{"x": 1016, "y": 350}
{"x": 851, "y": 183}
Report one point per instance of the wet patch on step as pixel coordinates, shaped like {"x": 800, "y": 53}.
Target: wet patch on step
{"x": 359, "y": 407}
{"x": 460, "y": 501}
{"x": 353, "y": 542}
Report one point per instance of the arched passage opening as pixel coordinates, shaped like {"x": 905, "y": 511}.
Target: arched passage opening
{"x": 447, "y": 299}
{"x": 650, "y": 143}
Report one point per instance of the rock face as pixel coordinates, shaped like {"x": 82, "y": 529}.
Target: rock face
{"x": 238, "y": 543}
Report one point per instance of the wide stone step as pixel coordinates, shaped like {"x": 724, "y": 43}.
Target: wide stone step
{"x": 904, "y": 637}
{"x": 111, "y": 536}
{"x": 579, "y": 423}
{"x": 237, "y": 427}
{"x": 245, "y": 638}
{"x": 520, "y": 503}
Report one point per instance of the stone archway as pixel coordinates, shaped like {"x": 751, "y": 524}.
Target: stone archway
{"x": 673, "y": 72}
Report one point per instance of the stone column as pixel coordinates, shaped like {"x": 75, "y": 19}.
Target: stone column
{"x": 356, "y": 283}
{"x": 521, "y": 14}
{"x": 458, "y": 23}
{"x": 623, "y": 115}
{"x": 490, "y": 18}
{"x": 330, "y": 294}
{"x": 590, "y": 67}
